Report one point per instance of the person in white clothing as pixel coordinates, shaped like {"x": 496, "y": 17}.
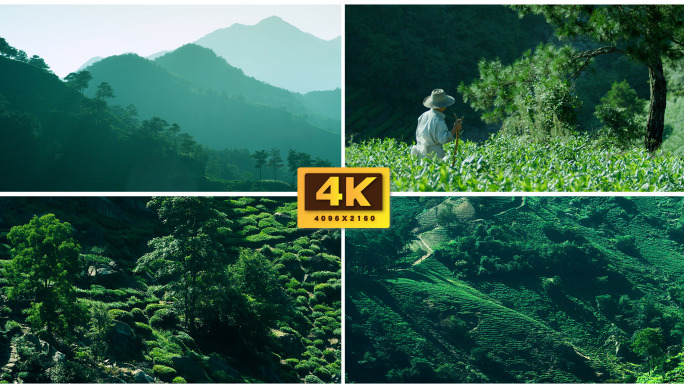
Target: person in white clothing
{"x": 432, "y": 132}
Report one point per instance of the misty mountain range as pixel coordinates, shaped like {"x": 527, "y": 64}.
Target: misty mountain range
{"x": 295, "y": 60}
{"x": 279, "y": 54}
{"x": 223, "y": 107}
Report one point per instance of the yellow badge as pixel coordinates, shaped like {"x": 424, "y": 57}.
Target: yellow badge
{"x": 343, "y": 198}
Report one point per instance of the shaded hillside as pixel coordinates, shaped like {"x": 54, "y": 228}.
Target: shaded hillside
{"x": 533, "y": 289}
{"x": 202, "y": 67}
{"x": 280, "y": 54}
{"x": 266, "y": 305}
{"x": 57, "y": 140}
{"x": 20, "y": 87}
{"x": 212, "y": 119}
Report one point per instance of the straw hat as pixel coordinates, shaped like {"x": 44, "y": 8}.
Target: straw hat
{"x": 438, "y": 99}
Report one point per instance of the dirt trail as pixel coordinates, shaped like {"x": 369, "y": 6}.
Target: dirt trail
{"x": 423, "y": 258}
{"x": 427, "y": 255}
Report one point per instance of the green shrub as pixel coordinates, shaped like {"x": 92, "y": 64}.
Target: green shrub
{"x": 331, "y": 355}
{"x": 292, "y": 362}
{"x": 322, "y": 373}
{"x": 164, "y": 319}
{"x": 163, "y": 372}
{"x": 263, "y": 237}
{"x": 323, "y": 276}
{"x": 312, "y": 379}
{"x": 288, "y": 258}
{"x": 329, "y": 292}
{"x": 161, "y": 356}
{"x": 268, "y": 222}
{"x": 622, "y": 113}
{"x": 152, "y": 308}
{"x": 304, "y": 367}
{"x": 318, "y": 297}
{"x": 185, "y": 339}
{"x": 121, "y": 315}
{"x": 293, "y": 284}
{"x": 302, "y": 242}
{"x": 250, "y": 230}
{"x": 321, "y": 308}
{"x": 11, "y": 326}
{"x": 139, "y": 315}
{"x": 272, "y": 231}
{"x": 143, "y": 329}
{"x": 248, "y": 221}
{"x": 134, "y": 301}
{"x": 179, "y": 379}
{"x": 626, "y": 244}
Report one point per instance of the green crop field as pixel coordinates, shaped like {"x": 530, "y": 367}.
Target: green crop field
{"x": 506, "y": 163}
{"x": 533, "y": 289}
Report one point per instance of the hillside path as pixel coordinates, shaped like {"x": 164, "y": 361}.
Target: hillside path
{"x": 423, "y": 258}
{"x": 427, "y": 255}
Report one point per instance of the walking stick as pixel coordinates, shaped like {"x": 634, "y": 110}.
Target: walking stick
{"x": 458, "y": 134}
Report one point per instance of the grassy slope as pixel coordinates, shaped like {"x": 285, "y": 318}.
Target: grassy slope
{"x": 508, "y": 327}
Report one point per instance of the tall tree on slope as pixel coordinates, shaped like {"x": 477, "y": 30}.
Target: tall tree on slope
{"x": 647, "y": 34}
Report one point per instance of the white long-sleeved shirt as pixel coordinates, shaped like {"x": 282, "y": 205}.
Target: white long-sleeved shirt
{"x": 431, "y": 134}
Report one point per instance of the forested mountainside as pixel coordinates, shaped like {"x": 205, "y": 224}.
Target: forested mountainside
{"x": 57, "y": 139}
{"x": 208, "y": 70}
{"x": 513, "y": 289}
{"x": 173, "y": 289}
{"x": 214, "y": 120}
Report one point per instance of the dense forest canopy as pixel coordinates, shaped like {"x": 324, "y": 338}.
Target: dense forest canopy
{"x": 182, "y": 289}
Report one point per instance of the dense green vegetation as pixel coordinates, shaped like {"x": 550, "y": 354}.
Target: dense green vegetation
{"x": 508, "y": 163}
{"x": 444, "y": 46}
{"x": 182, "y": 289}
{"x": 588, "y": 90}
{"x": 58, "y": 139}
{"x": 647, "y": 34}
{"x": 513, "y": 289}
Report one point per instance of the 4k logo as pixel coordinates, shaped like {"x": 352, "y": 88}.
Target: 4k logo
{"x": 343, "y": 198}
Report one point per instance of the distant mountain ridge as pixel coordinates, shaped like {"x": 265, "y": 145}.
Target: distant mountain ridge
{"x": 279, "y": 54}
{"x": 212, "y": 116}
{"x": 203, "y": 67}
{"x": 88, "y": 63}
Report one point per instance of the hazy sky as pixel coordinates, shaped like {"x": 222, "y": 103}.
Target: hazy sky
{"x": 67, "y": 36}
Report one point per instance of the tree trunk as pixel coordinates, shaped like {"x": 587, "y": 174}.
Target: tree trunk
{"x": 656, "y": 109}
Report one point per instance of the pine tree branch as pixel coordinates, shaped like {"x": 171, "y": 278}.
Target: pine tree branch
{"x": 590, "y": 54}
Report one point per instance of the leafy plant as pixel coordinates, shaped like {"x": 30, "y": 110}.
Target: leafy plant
{"x": 507, "y": 163}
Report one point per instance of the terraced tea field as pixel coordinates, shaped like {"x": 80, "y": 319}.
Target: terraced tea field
{"x": 535, "y": 289}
